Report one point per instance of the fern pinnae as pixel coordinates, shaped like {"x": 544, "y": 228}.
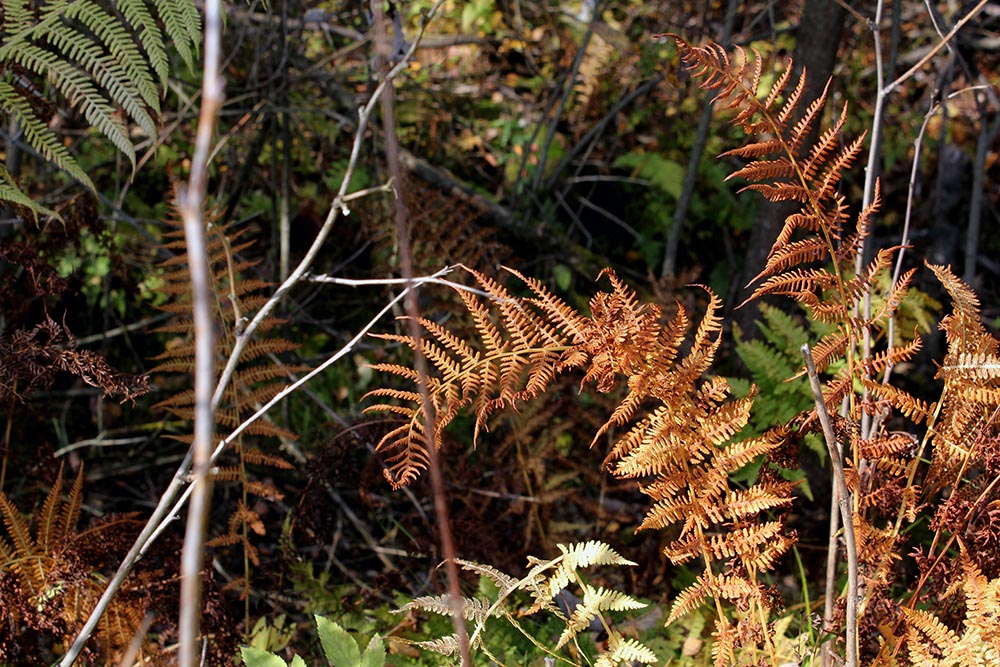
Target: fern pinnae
{"x": 182, "y": 24}
{"x": 504, "y": 582}
{"x": 38, "y": 135}
{"x": 17, "y": 15}
{"x": 22, "y": 541}
{"x": 138, "y": 16}
{"x": 49, "y": 531}
{"x": 129, "y": 69}
{"x": 558, "y": 311}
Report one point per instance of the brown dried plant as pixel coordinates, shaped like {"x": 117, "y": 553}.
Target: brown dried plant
{"x": 51, "y": 576}
{"x": 813, "y": 261}
{"x": 257, "y": 379}
{"x": 677, "y": 425}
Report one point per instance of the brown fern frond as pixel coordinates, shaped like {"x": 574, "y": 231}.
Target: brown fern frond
{"x": 31, "y": 358}
{"x": 690, "y": 598}
{"x": 58, "y": 573}
{"x": 796, "y": 283}
{"x": 914, "y": 409}
{"x": 528, "y": 343}
{"x": 880, "y": 361}
{"x": 238, "y": 293}
{"x": 745, "y": 503}
{"x": 965, "y": 332}
{"x": 257, "y": 457}
{"x": 678, "y": 428}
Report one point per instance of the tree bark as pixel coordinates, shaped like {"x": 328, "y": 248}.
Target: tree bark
{"x": 818, "y": 40}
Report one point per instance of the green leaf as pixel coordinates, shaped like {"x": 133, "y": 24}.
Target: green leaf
{"x": 563, "y": 276}
{"x": 374, "y": 655}
{"x": 298, "y": 662}
{"x": 255, "y": 657}
{"x": 340, "y": 648}
{"x": 663, "y": 173}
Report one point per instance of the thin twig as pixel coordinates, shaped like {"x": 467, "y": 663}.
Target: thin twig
{"x": 836, "y": 460}
{"x": 904, "y": 241}
{"x": 971, "y": 14}
{"x": 165, "y": 510}
{"x": 829, "y": 595}
{"x": 871, "y": 172}
{"x": 392, "y": 153}
{"x": 191, "y": 203}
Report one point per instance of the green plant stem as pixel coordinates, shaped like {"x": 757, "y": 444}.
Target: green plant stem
{"x": 851, "y": 659}
{"x": 805, "y": 592}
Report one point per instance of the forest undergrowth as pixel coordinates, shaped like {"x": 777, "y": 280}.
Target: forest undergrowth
{"x": 524, "y": 468}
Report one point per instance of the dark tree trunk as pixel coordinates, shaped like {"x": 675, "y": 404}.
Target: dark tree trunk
{"x": 817, "y": 43}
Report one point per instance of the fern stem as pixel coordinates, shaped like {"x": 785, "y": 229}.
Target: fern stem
{"x": 837, "y": 463}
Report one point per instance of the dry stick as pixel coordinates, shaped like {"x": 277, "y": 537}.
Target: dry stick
{"x": 420, "y": 361}
{"x": 191, "y": 202}
{"x": 845, "y": 508}
{"x": 871, "y": 172}
{"x": 165, "y": 508}
{"x": 831, "y": 574}
{"x": 169, "y": 516}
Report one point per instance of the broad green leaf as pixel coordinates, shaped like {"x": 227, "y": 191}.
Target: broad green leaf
{"x": 374, "y": 655}
{"x": 340, "y": 648}
{"x": 563, "y": 276}
{"x": 661, "y": 172}
{"x": 298, "y": 662}
{"x": 255, "y": 657}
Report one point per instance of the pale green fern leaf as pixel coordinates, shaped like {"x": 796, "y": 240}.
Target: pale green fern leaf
{"x": 594, "y": 602}
{"x": 16, "y": 15}
{"x": 585, "y": 554}
{"x": 472, "y": 609}
{"x": 37, "y": 135}
{"x": 142, "y": 22}
{"x": 9, "y": 192}
{"x": 504, "y": 582}
{"x": 133, "y": 67}
{"x": 182, "y": 25}
{"x": 109, "y": 61}
{"x": 447, "y": 645}
{"x": 622, "y": 651}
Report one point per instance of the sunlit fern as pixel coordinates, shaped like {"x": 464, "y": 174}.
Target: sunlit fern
{"x": 930, "y": 642}
{"x": 109, "y": 61}
{"x": 675, "y": 428}
{"x": 548, "y": 584}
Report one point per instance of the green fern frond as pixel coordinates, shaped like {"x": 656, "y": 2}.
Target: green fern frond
{"x": 101, "y": 60}
{"x": 137, "y": 14}
{"x": 17, "y": 15}
{"x": 9, "y": 191}
{"x": 594, "y": 552}
{"x": 38, "y": 135}
{"x": 182, "y": 24}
